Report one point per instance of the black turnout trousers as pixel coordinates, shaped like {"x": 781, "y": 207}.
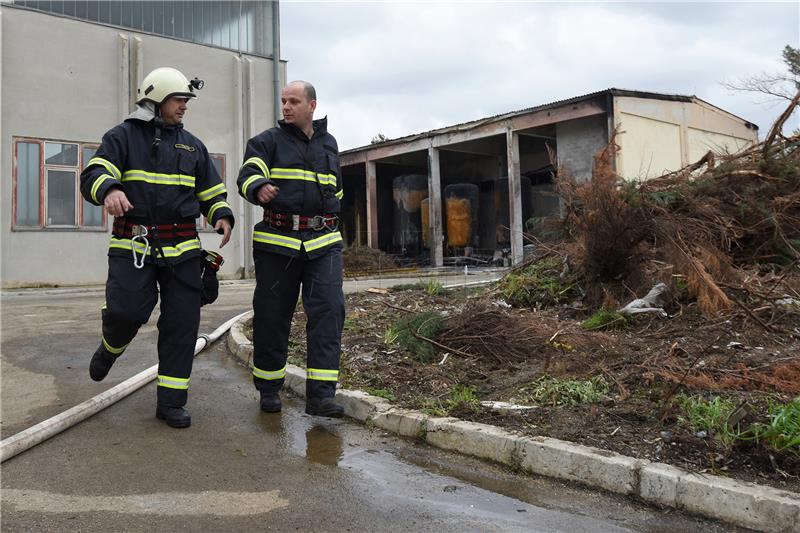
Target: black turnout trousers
{"x": 278, "y": 282}
{"x": 131, "y": 295}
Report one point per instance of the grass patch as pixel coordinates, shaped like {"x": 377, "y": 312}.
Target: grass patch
{"x": 461, "y": 399}
{"x": 382, "y": 393}
{"x": 712, "y": 415}
{"x": 554, "y": 392}
{"x": 538, "y": 284}
{"x": 431, "y": 287}
{"x": 605, "y": 319}
{"x": 782, "y": 432}
{"x": 426, "y": 324}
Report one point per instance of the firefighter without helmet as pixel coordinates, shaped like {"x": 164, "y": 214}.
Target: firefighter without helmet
{"x": 165, "y": 82}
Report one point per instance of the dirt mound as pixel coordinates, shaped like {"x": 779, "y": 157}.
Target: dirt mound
{"x": 363, "y": 259}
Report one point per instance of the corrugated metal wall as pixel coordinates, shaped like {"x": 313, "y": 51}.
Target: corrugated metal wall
{"x": 245, "y": 26}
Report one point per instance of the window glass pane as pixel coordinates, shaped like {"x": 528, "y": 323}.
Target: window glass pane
{"x": 70, "y": 7}
{"x": 82, "y": 10}
{"x": 218, "y": 162}
{"x": 28, "y": 184}
{"x": 92, "y": 214}
{"x": 61, "y": 154}
{"x": 61, "y": 189}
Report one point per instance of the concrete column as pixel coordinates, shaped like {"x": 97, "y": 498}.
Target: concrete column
{"x": 435, "y": 208}
{"x": 372, "y": 205}
{"x": 136, "y": 71}
{"x": 684, "y": 135}
{"x": 248, "y": 131}
{"x": 124, "y": 94}
{"x": 514, "y": 196}
{"x": 239, "y": 140}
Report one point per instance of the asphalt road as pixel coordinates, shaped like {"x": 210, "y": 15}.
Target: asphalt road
{"x": 237, "y": 469}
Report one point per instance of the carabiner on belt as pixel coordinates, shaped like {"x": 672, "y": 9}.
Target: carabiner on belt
{"x": 139, "y": 234}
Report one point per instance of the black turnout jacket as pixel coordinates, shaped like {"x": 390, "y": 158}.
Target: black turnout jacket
{"x": 173, "y": 182}
{"x": 309, "y": 178}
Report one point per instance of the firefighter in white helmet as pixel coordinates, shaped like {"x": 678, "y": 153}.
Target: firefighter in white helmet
{"x": 156, "y": 178}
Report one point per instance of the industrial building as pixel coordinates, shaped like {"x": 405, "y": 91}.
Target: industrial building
{"x": 70, "y": 71}
{"x": 469, "y": 190}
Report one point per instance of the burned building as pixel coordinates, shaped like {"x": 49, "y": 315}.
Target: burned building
{"x": 471, "y": 189}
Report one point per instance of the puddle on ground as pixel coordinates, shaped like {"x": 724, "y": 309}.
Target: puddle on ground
{"x": 323, "y": 446}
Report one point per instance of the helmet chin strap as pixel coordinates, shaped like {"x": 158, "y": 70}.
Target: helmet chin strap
{"x": 159, "y": 123}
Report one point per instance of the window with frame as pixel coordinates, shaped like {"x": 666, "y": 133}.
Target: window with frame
{"x": 46, "y": 181}
{"x": 218, "y": 160}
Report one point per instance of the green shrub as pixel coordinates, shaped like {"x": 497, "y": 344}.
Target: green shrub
{"x": 605, "y": 319}
{"x": 426, "y": 324}
{"x": 538, "y": 284}
{"x": 554, "y": 392}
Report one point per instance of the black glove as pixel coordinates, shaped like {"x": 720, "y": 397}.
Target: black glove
{"x": 209, "y": 266}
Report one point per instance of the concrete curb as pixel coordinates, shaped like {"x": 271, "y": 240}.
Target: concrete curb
{"x": 739, "y": 503}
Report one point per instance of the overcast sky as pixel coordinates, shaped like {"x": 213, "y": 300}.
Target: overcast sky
{"x": 405, "y": 67}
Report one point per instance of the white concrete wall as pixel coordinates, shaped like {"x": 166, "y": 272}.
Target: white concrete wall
{"x": 65, "y": 79}
{"x": 658, "y": 136}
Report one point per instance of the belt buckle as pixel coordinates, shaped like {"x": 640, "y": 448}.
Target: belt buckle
{"x": 316, "y": 222}
{"x": 139, "y": 230}
{"x": 296, "y": 222}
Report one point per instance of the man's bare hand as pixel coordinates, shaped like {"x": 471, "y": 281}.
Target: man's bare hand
{"x": 266, "y": 193}
{"x": 116, "y": 203}
{"x": 225, "y": 225}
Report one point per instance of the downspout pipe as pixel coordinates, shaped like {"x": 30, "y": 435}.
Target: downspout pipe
{"x": 276, "y": 59}
{"x": 26, "y": 439}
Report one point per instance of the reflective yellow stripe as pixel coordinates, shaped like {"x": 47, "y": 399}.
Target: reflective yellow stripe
{"x": 320, "y": 242}
{"x": 277, "y": 240}
{"x": 158, "y": 179}
{"x": 259, "y": 164}
{"x": 339, "y": 194}
{"x": 107, "y": 164}
{"x": 96, "y": 185}
{"x": 327, "y": 179}
{"x": 169, "y": 251}
{"x": 249, "y": 182}
{"x": 300, "y": 174}
{"x": 216, "y": 206}
{"x": 211, "y": 192}
{"x": 266, "y": 374}
{"x": 321, "y": 374}
{"x": 173, "y": 383}
{"x": 115, "y": 351}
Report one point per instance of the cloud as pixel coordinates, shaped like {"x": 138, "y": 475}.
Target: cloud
{"x": 402, "y": 68}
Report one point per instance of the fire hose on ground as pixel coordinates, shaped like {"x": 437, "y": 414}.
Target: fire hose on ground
{"x": 42, "y": 431}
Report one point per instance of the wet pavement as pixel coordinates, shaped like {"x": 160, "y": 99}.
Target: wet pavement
{"x": 237, "y": 469}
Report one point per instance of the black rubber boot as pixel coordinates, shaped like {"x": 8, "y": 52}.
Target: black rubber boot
{"x": 101, "y": 363}
{"x": 324, "y": 407}
{"x": 270, "y": 403}
{"x": 175, "y": 417}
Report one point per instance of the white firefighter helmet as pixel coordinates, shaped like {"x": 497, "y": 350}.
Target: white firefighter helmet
{"x": 165, "y": 82}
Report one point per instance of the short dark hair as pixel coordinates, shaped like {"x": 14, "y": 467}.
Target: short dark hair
{"x": 311, "y": 92}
